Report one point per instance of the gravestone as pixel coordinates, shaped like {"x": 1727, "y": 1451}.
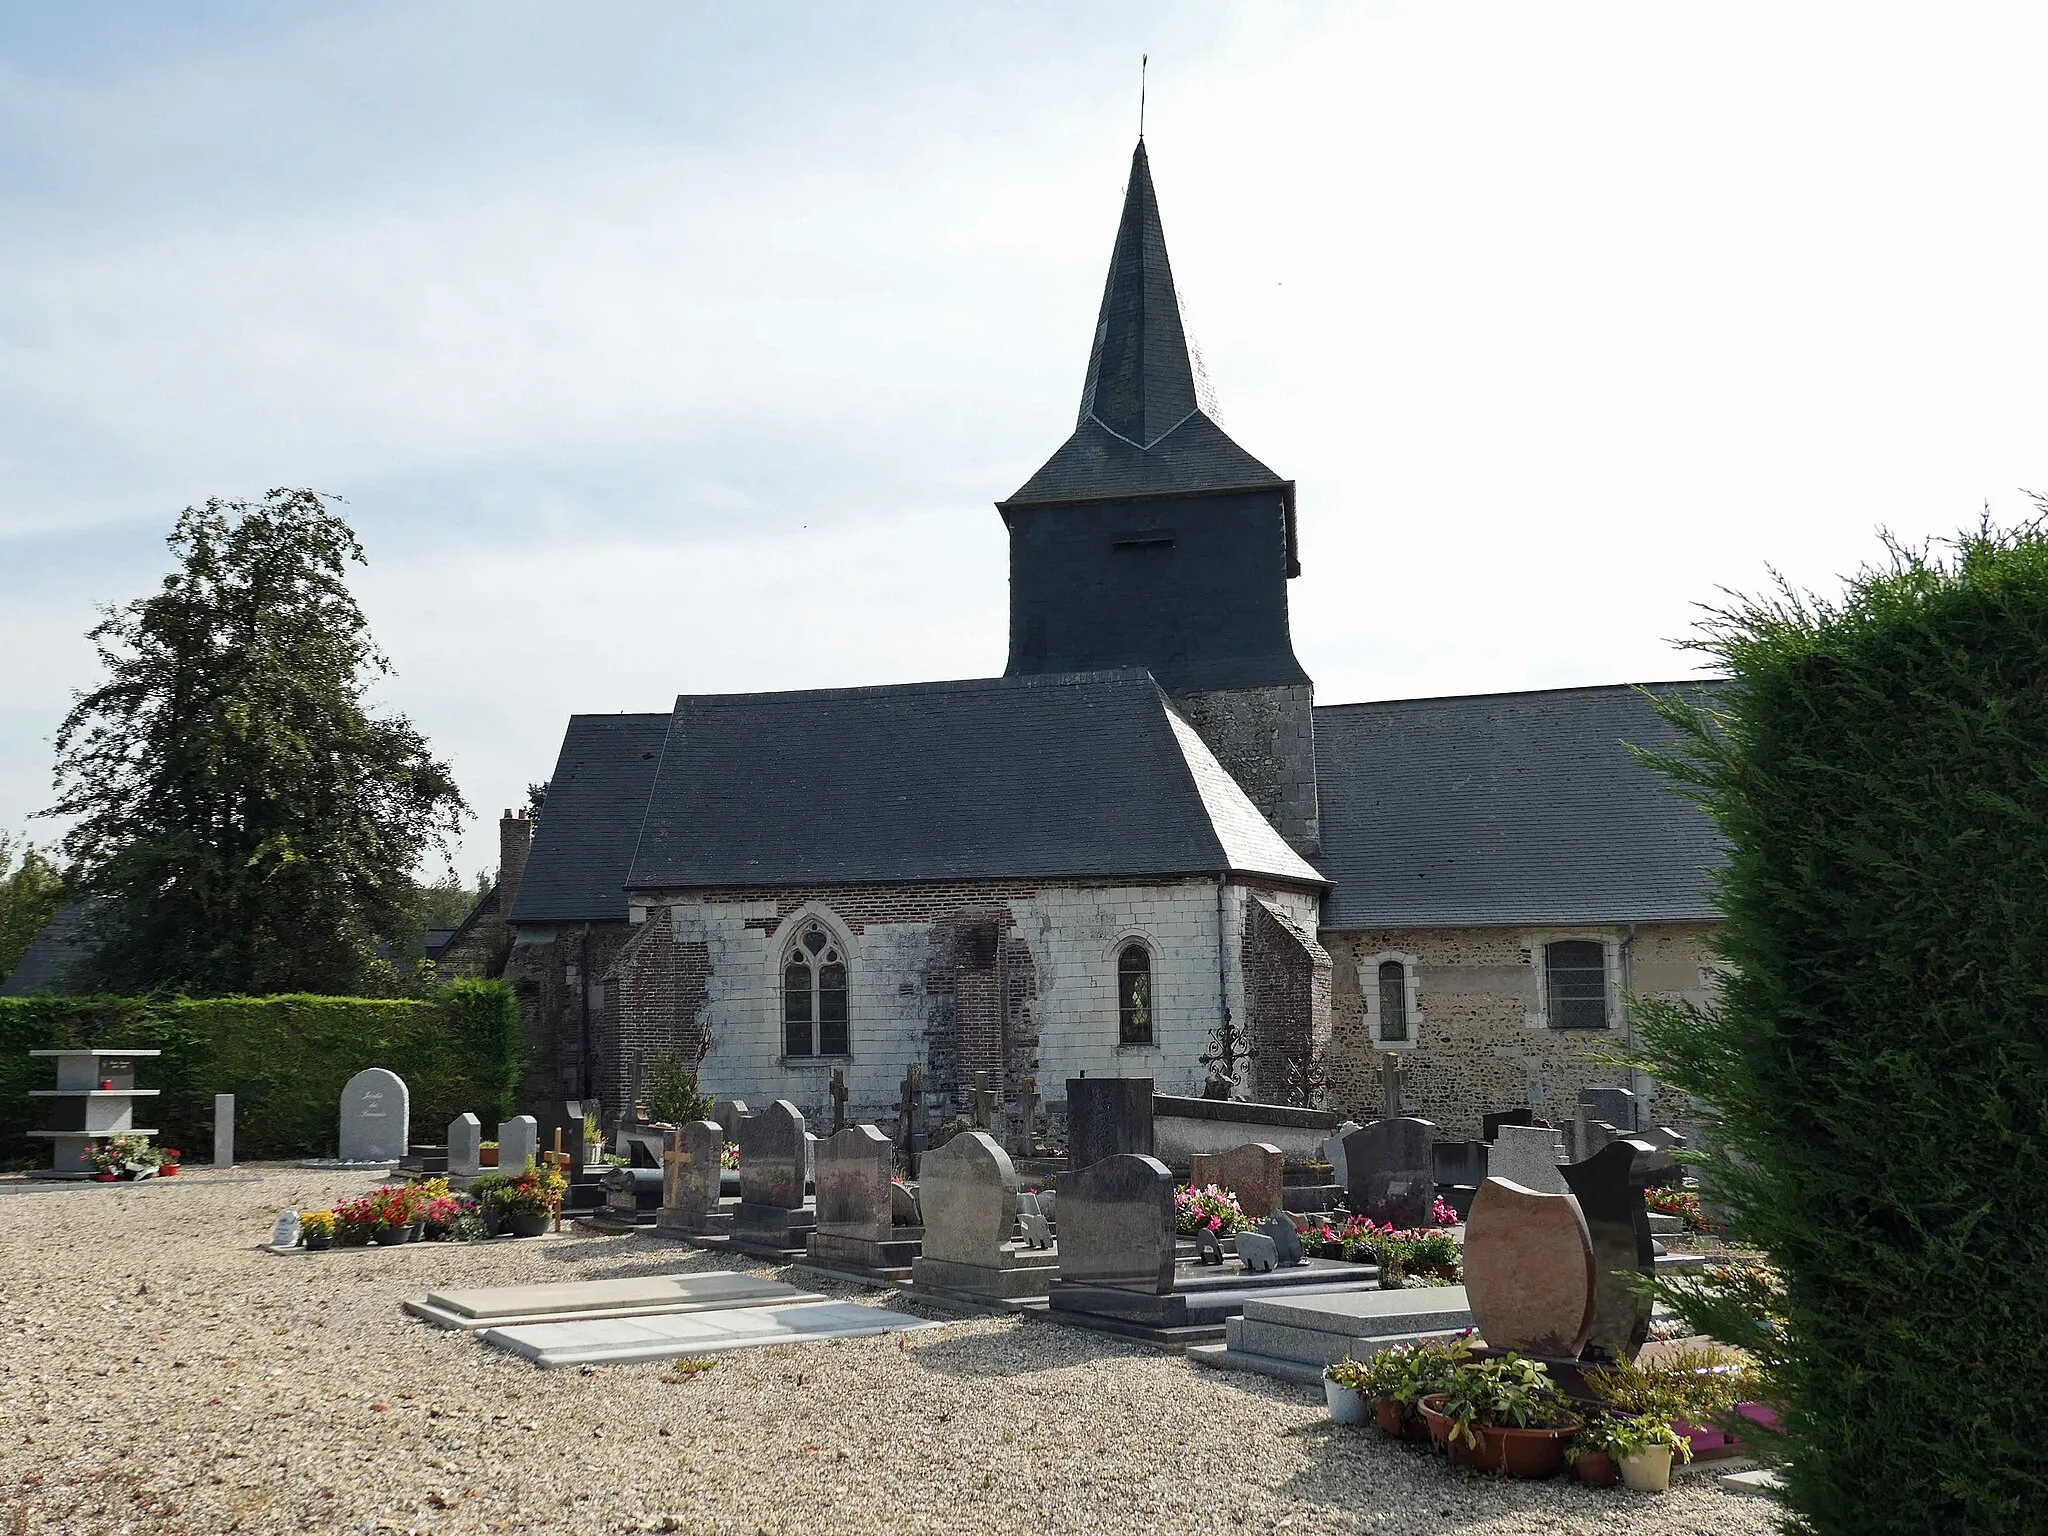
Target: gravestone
{"x": 518, "y": 1143}
{"x": 981, "y": 1103}
{"x": 465, "y": 1145}
{"x": 1032, "y": 1222}
{"x": 1390, "y": 1172}
{"x": 1116, "y": 1223}
{"x": 1251, "y": 1172}
{"x": 838, "y": 1092}
{"x": 375, "y": 1116}
{"x": 1108, "y": 1117}
{"x": 1257, "y": 1253}
{"x": 1489, "y": 1125}
{"x": 1609, "y": 1190}
{"x": 729, "y": 1113}
{"x": 1460, "y": 1164}
{"x": 223, "y": 1130}
{"x": 1333, "y": 1153}
{"x": 1617, "y": 1106}
{"x": 1528, "y": 1155}
{"x": 910, "y": 1127}
{"x": 1529, "y": 1269}
{"x": 1208, "y": 1251}
{"x": 1023, "y": 1124}
{"x": 1279, "y": 1230}
{"x": 853, "y": 1185}
{"x": 775, "y": 1151}
{"x": 690, "y": 1170}
{"x": 967, "y": 1192}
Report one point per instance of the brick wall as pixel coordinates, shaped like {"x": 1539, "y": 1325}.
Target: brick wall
{"x": 1286, "y": 1005}
{"x": 549, "y": 968}
{"x": 1482, "y": 1040}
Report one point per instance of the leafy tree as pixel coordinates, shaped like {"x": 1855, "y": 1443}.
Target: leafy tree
{"x": 253, "y": 825}
{"x": 31, "y": 890}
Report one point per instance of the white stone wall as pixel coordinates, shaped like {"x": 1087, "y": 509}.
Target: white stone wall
{"x": 1073, "y": 933}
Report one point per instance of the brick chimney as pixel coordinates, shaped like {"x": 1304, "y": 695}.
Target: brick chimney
{"x": 515, "y": 841}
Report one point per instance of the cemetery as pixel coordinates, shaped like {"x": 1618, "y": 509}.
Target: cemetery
{"x": 1374, "y": 1350}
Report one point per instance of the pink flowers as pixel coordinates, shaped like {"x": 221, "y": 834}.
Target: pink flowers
{"x": 1210, "y": 1207}
{"x": 1443, "y": 1213}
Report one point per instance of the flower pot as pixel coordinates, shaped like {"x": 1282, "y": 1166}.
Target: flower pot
{"x": 527, "y": 1223}
{"x": 1439, "y": 1427}
{"x": 317, "y": 1242}
{"x": 1392, "y": 1416}
{"x": 1521, "y": 1452}
{"x": 388, "y": 1237}
{"x": 1648, "y": 1470}
{"x": 105, "y": 1178}
{"x": 167, "y": 1170}
{"x": 487, "y": 1157}
{"x": 1597, "y": 1469}
{"x": 1346, "y": 1404}
{"x": 416, "y": 1232}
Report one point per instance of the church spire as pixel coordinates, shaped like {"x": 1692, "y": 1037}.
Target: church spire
{"x": 1144, "y": 428}
{"x": 1141, "y": 384}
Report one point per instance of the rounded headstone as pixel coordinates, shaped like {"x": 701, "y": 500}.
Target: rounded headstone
{"x": 1529, "y": 1272}
{"x": 376, "y": 1111}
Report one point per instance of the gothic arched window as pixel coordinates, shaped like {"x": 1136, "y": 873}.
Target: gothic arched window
{"x": 1134, "y": 995}
{"x": 814, "y": 995}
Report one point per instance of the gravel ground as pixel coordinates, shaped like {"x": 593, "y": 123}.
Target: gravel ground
{"x": 164, "y": 1374}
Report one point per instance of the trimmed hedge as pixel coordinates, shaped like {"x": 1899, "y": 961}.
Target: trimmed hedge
{"x": 285, "y": 1059}
{"x": 1877, "y": 1064}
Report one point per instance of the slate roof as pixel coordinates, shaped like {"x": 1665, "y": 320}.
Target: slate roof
{"x": 51, "y": 954}
{"x": 1142, "y": 430}
{"x": 1507, "y": 808}
{"x": 1052, "y": 776}
{"x": 576, "y": 869}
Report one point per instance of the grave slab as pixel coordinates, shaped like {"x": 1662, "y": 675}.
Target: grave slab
{"x": 505, "y": 1305}
{"x": 624, "y": 1340}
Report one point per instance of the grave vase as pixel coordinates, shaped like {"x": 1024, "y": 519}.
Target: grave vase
{"x": 1346, "y": 1404}
{"x": 1648, "y": 1470}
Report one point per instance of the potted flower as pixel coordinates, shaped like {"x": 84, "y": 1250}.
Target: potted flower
{"x": 1345, "y": 1385}
{"x": 533, "y": 1199}
{"x": 1593, "y": 1448}
{"x": 316, "y": 1230}
{"x": 729, "y": 1155}
{"x": 1643, "y": 1448}
{"x": 487, "y": 1154}
{"x": 105, "y": 1166}
{"x": 1415, "y": 1372}
{"x": 355, "y": 1221}
{"x": 1211, "y": 1206}
{"x": 1502, "y": 1414}
{"x": 487, "y": 1190}
{"x": 170, "y": 1163}
{"x": 392, "y": 1208}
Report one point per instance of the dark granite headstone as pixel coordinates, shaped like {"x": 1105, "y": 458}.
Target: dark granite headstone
{"x": 1609, "y": 1189}
{"x": 1256, "y": 1253}
{"x": 1390, "y": 1171}
{"x": 1279, "y": 1230}
{"x": 1207, "y": 1249}
{"x": 774, "y": 1157}
{"x": 853, "y": 1184}
{"x": 1108, "y": 1117}
{"x": 1617, "y": 1106}
{"x": 1459, "y": 1162}
{"x": 729, "y": 1113}
{"x": 1116, "y": 1223}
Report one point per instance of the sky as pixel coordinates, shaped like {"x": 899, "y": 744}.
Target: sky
{"x": 685, "y": 348}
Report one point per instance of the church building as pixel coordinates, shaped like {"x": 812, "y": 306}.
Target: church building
{"x": 1144, "y": 831}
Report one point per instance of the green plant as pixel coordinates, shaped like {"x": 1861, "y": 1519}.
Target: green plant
{"x": 31, "y": 891}
{"x": 316, "y": 1223}
{"x": 616, "y": 1160}
{"x": 672, "y": 1095}
{"x": 1697, "y": 1385}
{"x": 1418, "y": 1370}
{"x": 1646, "y": 1432}
{"x": 533, "y": 1192}
{"x": 1874, "y": 1068}
{"x": 488, "y": 1190}
{"x": 1502, "y": 1392}
{"x": 1379, "y": 1377}
{"x": 690, "y": 1367}
{"x": 1602, "y": 1432}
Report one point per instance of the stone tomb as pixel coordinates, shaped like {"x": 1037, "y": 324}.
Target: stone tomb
{"x": 1252, "y": 1172}
{"x": 1390, "y": 1172}
{"x": 857, "y": 1229}
{"x": 504, "y": 1306}
{"x": 691, "y": 1179}
{"x": 465, "y": 1146}
{"x": 1117, "y": 1268}
{"x": 518, "y": 1143}
{"x": 1107, "y": 1116}
{"x": 967, "y": 1197}
{"x": 1609, "y": 1189}
{"x": 668, "y": 1336}
{"x": 1529, "y": 1270}
{"x": 376, "y": 1111}
{"x": 1530, "y": 1156}
{"x": 1293, "y": 1336}
{"x": 773, "y": 1221}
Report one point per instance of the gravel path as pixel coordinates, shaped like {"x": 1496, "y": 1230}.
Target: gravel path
{"x": 163, "y": 1374}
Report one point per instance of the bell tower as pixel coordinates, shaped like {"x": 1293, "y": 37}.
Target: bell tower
{"x": 1150, "y": 539}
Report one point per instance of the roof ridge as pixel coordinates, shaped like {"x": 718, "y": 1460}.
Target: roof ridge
{"x": 1524, "y": 693}
{"x": 941, "y": 685}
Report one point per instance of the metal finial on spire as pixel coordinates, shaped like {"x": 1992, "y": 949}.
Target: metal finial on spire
{"x": 1144, "y": 60}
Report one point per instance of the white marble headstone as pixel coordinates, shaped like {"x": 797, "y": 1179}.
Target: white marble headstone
{"x": 376, "y": 1111}
{"x": 518, "y": 1143}
{"x": 465, "y": 1145}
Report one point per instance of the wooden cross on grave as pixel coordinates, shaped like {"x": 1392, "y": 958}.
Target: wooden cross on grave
{"x": 559, "y": 1161}
{"x": 982, "y": 1102}
{"x": 838, "y": 1099}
